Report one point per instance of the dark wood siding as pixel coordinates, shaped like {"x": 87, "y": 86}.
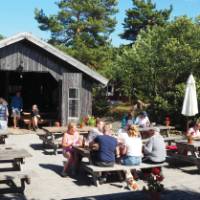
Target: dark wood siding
{"x": 35, "y": 59}
{"x": 70, "y": 80}
{"x": 86, "y": 97}
{"x": 32, "y": 60}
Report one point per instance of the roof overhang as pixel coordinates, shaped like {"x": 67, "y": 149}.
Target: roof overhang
{"x": 52, "y": 50}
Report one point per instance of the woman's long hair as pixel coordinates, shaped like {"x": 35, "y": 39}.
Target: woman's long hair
{"x": 133, "y": 131}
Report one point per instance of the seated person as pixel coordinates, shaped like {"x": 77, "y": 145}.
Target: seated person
{"x": 98, "y": 130}
{"x": 130, "y": 120}
{"x": 132, "y": 150}
{"x": 104, "y": 147}
{"x": 154, "y": 149}
{"x": 35, "y": 116}
{"x": 142, "y": 120}
{"x": 70, "y": 139}
{"x": 194, "y": 129}
{"x": 132, "y": 154}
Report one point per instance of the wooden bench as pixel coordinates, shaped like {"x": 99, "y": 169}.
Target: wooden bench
{"x": 96, "y": 171}
{"x": 10, "y": 181}
{"x": 26, "y": 118}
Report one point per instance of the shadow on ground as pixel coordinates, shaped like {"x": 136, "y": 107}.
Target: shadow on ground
{"x": 12, "y": 197}
{"x": 47, "y": 150}
{"x": 185, "y": 167}
{"x": 167, "y": 195}
{"x": 55, "y": 168}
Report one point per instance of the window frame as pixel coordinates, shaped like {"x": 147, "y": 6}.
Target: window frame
{"x": 77, "y": 99}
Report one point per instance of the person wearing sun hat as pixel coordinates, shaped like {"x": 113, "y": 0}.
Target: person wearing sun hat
{"x": 154, "y": 149}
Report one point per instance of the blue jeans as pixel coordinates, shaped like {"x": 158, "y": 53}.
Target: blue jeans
{"x": 131, "y": 160}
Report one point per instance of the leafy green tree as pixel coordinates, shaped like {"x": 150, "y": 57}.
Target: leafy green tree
{"x": 159, "y": 64}
{"x": 141, "y": 16}
{"x": 82, "y": 28}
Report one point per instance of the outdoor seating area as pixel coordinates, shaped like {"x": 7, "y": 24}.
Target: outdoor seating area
{"x": 99, "y": 100}
{"x": 12, "y": 176}
{"x": 16, "y": 157}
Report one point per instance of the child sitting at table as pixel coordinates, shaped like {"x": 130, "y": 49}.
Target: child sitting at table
{"x": 35, "y": 116}
{"x": 70, "y": 139}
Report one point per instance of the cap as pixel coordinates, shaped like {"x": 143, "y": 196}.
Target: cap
{"x": 144, "y": 113}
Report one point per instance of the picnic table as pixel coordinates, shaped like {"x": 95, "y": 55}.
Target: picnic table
{"x": 3, "y": 135}
{"x": 15, "y": 156}
{"x": 188, "y": 152}
{"x": 96, "y": 171}
{"x": 52, "y": 136}
{"x": 164, "y": 130}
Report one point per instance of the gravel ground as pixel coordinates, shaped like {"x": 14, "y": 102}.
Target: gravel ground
{"x": 181, "y": 182}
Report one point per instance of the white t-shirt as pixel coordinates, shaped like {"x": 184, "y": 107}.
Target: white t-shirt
{"x": 134, "y": 146}
{"x": 142, "y": 122}
{"x": 93, "y": 134}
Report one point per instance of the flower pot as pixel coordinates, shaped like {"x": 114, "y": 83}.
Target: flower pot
{"x": 190, "y": 139}
{"x": 81, "y": 125}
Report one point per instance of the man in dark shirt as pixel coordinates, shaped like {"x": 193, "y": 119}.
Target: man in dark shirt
{"x": 106, "y": 147}
{"x": 16, "y": 106}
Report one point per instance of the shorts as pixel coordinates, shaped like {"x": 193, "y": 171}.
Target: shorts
{"x": 3, "y": 125}
{"x": 16, "y": 112}
{"x": 68, "y": 149}
{"x": 131, "y": 160}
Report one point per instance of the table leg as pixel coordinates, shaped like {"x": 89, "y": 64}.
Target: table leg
{"x": 17, "y": 164}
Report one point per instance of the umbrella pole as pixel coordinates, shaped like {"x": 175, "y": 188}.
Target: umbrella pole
{"x": 187, "y": 124}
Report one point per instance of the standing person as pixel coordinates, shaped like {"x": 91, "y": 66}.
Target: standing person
{"x": 132, "y": 154}
{"x": 70, "y": 139}
{"x": 98, "y": 130}
{"x": 35, "y": 116}
{"x": 130, "y": 119}
{"x": 16, "y": 106}
{"x": 3, "y": 115}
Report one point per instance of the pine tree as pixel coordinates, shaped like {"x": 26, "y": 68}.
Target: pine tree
{"x": 143, "y": 14}
{"x": 90, "y": 20}
{"x": 81, "y": 28}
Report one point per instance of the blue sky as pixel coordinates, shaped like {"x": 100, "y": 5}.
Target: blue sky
{"x": 18, "y": 15}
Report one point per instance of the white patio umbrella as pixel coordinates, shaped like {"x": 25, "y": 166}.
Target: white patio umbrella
{"x": 190, "y": 106}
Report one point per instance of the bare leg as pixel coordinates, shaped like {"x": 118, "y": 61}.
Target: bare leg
{"x": 35, "y": 122}
{"x": 15, "y": 121}
{"x": 69, "y": 157}
{"x": 132, "y": 185}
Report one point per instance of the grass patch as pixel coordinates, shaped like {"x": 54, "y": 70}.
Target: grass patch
{"x": 118, "y": 110}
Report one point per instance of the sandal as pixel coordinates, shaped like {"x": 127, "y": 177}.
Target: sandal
{"x": 132, "y": 185}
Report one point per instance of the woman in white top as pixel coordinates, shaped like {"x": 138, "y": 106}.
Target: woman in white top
{"x": 132, "y": 147}
{"x": 132, "y": 154}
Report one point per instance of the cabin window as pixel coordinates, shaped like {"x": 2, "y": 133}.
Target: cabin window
{"x": 73, "y": 105}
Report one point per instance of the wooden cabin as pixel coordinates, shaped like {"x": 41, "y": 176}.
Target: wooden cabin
{"x": 54, "y": 81}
